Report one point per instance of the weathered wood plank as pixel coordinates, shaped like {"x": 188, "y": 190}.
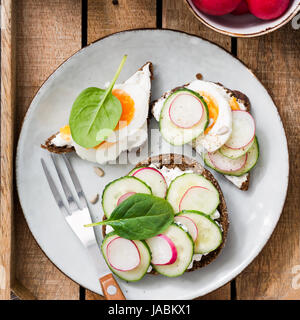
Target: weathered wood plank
{"x": 7, "y": 149}
{"x": 176, "y": 15}
{"x": 105, "y": 18}
{"x": 48, "y": 32}
{"x": 274, "y": 58}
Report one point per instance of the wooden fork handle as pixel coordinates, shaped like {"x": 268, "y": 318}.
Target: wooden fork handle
{"x": 110, "y": 288}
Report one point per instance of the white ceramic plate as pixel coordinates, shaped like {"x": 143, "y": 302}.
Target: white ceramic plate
{"x": 177, "y": 57}
{"x": 246, "y": 25}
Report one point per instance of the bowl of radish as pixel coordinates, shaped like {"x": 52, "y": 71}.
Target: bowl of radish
{"x": 244, "y": 18}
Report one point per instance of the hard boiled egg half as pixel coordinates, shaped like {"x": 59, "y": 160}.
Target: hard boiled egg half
{"x": 130, "y": 132}
{"x": 220, "y": 119}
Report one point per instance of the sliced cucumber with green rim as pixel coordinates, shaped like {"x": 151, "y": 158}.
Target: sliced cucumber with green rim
{"x": 137, "y": 273}
{"x": 185, "y": 247}
{"x": 235, "y": 153}
{"x": 209, "y": 233}
{"x": 118, "y": 190}
{"x": 153, "y": 178}
{"x": 184, "y": 117}
{"x": 252, "y": 157}
{"x": 183, "y": 194}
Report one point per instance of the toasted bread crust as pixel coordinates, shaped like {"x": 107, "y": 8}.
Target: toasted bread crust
{"x": 184, "y": 163}
{"x": 245, "y": 185}
{"x": 55, "y": 149}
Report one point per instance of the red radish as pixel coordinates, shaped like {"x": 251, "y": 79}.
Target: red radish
{"x": 186, "y": 111}
{"x": 268, "y": 9}
{"x": 154, "y": 179}
{"x": 123, "y": 254}
{"x": 242, "y": 8}
{"x": 216, "y": 7}
{"x": 125, "y": 196}
{"x": 226, "y": 164}
{"x": 189, "y": 224}
{"x": 243, "y": 130}
{"x": 163, "y": 250}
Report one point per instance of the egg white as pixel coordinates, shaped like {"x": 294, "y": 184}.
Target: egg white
{"x": 138, "y": 87}
{"x": 222, "y": 128}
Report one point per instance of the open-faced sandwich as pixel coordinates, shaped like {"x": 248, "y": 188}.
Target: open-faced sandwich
{"x": 105, "y": 122}
{"x": 218, "y": 124}
{"x": 168, "y": 216}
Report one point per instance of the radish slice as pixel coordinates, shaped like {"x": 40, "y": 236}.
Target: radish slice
{"x": 125, "y": 196}
{"x": 226, "y": 164}
{"x": 123, "y": 254}
{"x": 163, "y": 250}
{"x": 154, "y": 179}
{"x": 186, "y": 111}
{"x": 189, "y": 224}
{"x": 243, "y": 130}
{"x": 200, "y": 199}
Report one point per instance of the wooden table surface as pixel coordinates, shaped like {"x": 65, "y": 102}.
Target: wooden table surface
{"x": 48, "y": 32}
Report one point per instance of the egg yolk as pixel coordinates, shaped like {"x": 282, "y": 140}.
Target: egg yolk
{"x": 126, "y": 117}
{"x": 65, "y": 132}
{"x": 234, "y": 104}
{"x": 104, "y": 145}
{"x": 213, "y": 110}
{"x": 127, "y": 108}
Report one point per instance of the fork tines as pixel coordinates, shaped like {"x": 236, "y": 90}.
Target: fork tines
{"x": 73, "y": 204}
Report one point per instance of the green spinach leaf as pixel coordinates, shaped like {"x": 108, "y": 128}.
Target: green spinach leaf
{"x": 95, "y": 114}
{"x": 140, "y": 217}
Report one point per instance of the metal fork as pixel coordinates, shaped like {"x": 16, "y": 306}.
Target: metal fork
{"x": 78, "y": 216}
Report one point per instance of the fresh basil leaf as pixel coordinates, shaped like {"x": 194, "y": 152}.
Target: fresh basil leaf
{"x": 95, "y": 114}
{"x": 140, "y": 217}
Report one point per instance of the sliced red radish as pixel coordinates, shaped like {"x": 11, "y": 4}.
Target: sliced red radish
{"x": 243, "y": 130}
{"x": 163, "y": 250}
{"x": 125, "y": 196}
{"x": 189, "y": 224}
{"x": 123, "y": 254}
{"x": 201, "y": 199}
{"x": 226, "y": 164}
{"x": 186, "y": 110}
{"x": 154, "y": 179}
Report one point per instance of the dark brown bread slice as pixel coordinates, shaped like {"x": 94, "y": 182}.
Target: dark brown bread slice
{"x": 185, "y": 163}
{"x": 241, "y": 97}
{"x": 55, "y": 149}
{"x": 66, "y": 149}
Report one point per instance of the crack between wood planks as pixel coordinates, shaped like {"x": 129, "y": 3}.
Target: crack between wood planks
{"x": 159, "y": 14}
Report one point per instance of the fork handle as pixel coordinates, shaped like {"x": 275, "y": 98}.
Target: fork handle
{"x": 110, "y": 288}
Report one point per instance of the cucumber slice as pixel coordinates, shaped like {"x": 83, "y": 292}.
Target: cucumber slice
{"x": 209, "y": 233}
{"x": 153, "y": 178}
{"x": 181, "y": 184}
{"x": 117, "y": 188}
{"x": 253, "y": 155}
{"x": 176, "y": 135}
{"x": 185, "y": 248}
{"x": 137, "y": 273}
{"x": 235, "y": 153}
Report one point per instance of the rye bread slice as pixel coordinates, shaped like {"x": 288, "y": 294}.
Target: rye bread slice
{"x": 185, "y": 163}
{"x": 241, "y": 97}
{"x": 66, "y": 149}
{"x": 55, "y": 149}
